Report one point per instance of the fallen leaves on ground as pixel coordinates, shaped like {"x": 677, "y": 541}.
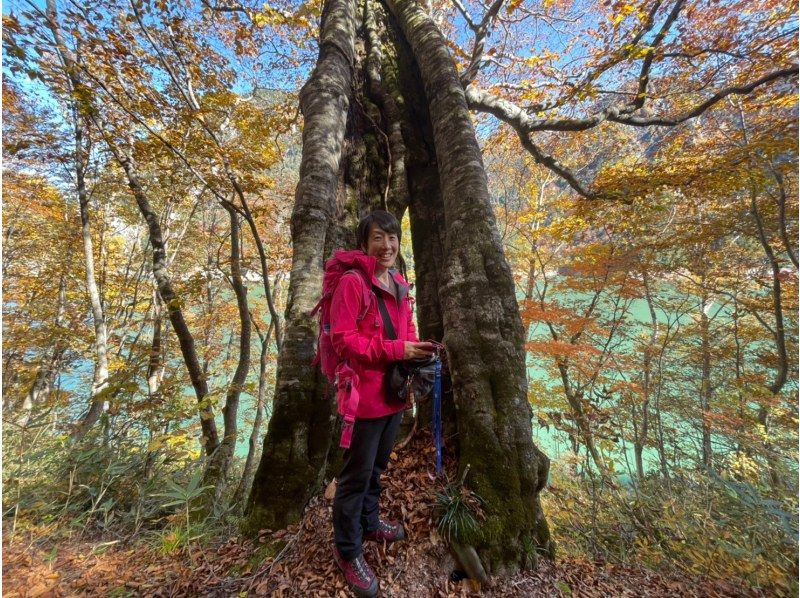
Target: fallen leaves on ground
{"x": 419, "y": 566}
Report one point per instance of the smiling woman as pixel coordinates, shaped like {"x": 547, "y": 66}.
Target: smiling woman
{"x": 371, "y": 325}
{"x": 379, "y": 236}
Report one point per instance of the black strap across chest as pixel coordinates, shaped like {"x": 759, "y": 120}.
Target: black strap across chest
{"x": 388, "y": 327}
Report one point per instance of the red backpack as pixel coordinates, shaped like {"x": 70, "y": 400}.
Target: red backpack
{"x": 334, "y": 367}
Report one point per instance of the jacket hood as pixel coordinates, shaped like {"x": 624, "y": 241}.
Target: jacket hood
{"x": 357, "y": 259}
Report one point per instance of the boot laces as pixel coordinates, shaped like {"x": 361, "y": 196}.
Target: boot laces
{"x": 361, "y": 568}
{"x": 383, "y": 526}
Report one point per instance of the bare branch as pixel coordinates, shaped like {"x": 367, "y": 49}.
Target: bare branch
{"x": 481, "y": 33}
{"x": 554, "y": 165}
{"x": 523, "y": 124}
{"x": 464, "y": 13}
{"x": 644, "y": 76}
{"x": 638, "y": 121}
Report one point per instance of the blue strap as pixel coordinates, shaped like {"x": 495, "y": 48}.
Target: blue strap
{"x": 437, "y": 415}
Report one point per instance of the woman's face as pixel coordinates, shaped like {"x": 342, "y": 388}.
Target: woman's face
{"x": 382, "y": 246}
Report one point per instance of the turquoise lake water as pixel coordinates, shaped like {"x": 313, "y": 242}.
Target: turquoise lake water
{"x": 550, "y": 441}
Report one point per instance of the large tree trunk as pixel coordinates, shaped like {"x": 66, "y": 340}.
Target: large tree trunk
{"x": 409, "y": 117}
{"x": 483, "y": 332}
{"x": 298, "y": 438}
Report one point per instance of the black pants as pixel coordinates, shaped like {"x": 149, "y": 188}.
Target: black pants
{"x": 355, "y": 506}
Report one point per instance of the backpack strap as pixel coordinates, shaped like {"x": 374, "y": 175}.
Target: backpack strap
{"x": 366, "y": 294}
{"x": 349, "y": 413}
{"x": 317, "y": 307}
{"x": 387, "y": 321}
{"x": 350, "y": 408}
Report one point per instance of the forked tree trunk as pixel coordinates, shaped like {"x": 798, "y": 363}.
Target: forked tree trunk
{"x": 410, "y": 117}
{"x": 219, "y": 463}
{"x": 483, "y": 331}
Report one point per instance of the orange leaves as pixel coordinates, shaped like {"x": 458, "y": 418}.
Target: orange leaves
{"x": 562, "y": 349}
{"x": 533, "y": 311}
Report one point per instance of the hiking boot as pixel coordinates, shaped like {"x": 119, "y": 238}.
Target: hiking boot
{"x": 358, "y": 575}
{"x": 387, "y": 531}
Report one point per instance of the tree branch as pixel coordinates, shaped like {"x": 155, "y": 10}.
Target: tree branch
{"x": 481, "y": 33}
{"x": 644, "y": 75}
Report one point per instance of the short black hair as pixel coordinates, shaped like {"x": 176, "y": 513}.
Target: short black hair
{"x": 385, "y": 221}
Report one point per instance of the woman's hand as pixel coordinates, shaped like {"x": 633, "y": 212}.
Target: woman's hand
{"x": 417, "y": 350}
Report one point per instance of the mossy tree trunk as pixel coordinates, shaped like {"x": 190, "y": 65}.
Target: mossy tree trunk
{"x": 298, "y": 437}
{"x": 483, "y": 331}
{"x": 387, "y": 125}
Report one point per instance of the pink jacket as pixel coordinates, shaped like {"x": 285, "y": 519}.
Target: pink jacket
{"x": 362, "y": 343}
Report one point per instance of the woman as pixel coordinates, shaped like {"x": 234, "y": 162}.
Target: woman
{"x": 359, "y": 339}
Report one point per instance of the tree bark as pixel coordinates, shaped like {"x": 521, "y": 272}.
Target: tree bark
{"x": 97, "y": 400}
{"x": 298, "y": 438}
{"x": 253, "y": 452}
{"x": 779, "y": 334}
{"x": 210, "y": 439}
{"x": 641, "y": 433}
{"x": 155, "y": 365}
{"x": 396, "y": 87}
{"x": 705, "y": 379}
{"x": 482, "y": 328}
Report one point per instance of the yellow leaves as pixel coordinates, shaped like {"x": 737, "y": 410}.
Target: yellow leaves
{"x": 743, "y": 467}
{"x": 547, "y": 56}
{"x": 623, "y": 10}
{"x": 638, "y": 51}
{"x": 262, "y": 19}
{"x": 785, "y": 101}
{"x": 513, "y": 6}
{"x": 179, "y": 445}
{"x": 157, "y": 443}
{"x": 270, "y": 16}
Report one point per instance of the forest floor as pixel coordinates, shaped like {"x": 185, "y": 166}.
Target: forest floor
{"x": 303, "y": 566}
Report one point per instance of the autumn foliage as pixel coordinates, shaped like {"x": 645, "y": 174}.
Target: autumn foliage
{"x": 642, "y": 162}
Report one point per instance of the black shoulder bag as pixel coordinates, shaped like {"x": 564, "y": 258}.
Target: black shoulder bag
{"x": 415, "y": 375}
